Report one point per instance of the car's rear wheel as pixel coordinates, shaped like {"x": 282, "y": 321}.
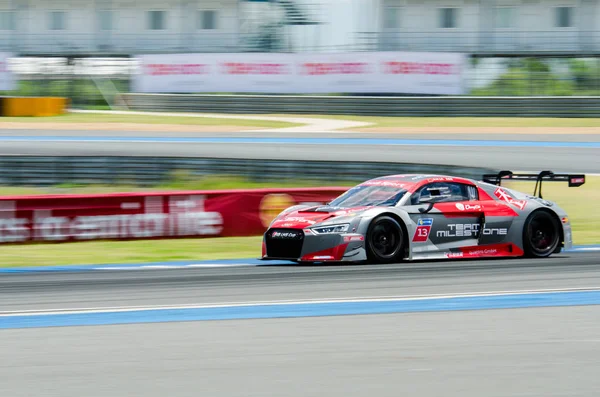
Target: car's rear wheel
{"x": 385, "y": 240}
{"x": 541, "y": 234}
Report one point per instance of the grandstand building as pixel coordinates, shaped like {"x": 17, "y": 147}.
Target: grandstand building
{"x": 128, "y": 27}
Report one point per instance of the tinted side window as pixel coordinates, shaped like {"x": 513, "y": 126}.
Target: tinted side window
{"x": 443, "y": 192}
{"x": 472, "y": 192}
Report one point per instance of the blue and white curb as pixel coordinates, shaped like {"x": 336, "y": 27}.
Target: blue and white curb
{"x": 295, "y": 309}
{"x": 146, "y": 266}
{"x": 585, "y": 248}
{"x": 249, "y": 262}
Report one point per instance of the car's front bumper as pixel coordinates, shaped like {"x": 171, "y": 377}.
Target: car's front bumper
{"x": 305, "y": 246}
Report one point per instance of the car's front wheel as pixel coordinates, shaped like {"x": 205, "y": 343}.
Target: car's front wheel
{"x": 385, "y": 240}
{"x": 541, "y": 234}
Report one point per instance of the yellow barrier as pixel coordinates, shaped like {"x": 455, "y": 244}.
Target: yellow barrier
{"x": 33, "y": 106}
{"x": 17, "y": 107}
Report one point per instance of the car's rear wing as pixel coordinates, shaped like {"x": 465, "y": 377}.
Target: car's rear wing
{"x": 574, "y": 180}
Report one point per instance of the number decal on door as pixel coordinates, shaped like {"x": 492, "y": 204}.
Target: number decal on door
{"x": 423, "y": 229}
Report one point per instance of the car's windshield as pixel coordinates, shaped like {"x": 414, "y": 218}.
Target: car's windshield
{"x": 363, "y": 195}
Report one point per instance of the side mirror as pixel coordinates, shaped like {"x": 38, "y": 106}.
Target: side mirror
{"x": 426, "y": 210}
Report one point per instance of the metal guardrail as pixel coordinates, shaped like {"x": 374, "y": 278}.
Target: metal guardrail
{"x": 147, "y": 171}
{"x": 369, "y": 105}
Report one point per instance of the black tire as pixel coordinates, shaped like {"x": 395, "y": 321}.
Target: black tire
{"x": 385, "y": 240}
{"x": 541, "y": 234}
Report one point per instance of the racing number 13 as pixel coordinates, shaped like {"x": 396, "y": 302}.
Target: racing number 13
{"x": 423, "y": 229}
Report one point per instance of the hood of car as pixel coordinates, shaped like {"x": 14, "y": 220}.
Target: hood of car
{"x": 311, "y": 216}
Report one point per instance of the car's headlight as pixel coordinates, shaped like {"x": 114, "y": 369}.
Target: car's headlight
{"x": 331, "y": 229}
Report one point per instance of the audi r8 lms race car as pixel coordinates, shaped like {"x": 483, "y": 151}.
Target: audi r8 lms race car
{"x": 413, "y": 217}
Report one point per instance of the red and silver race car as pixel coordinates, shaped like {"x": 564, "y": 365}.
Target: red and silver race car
{"x": 412, "y": 217}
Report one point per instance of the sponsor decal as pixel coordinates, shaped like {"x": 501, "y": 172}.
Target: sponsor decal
{"x": 293, "y": 219}
{"x": 348, "y": 239}
{"x": 485, "y": 251}
{"x": 473, "y": 252}
{"x": 496, "y": 250}
{"x": 272, "y": 205}
{"x": 469, "y": 230}
{"x": 335, "y": 253}
{"x": 467, "y": 207}
{"x": 425, "y": 222}
{"x": 440, "y": 179}
{"x": 505, "y": 196}
{"x": 577, "y": 180}
{"x": 423, "y": 230}
{"x": 279, "y": 235}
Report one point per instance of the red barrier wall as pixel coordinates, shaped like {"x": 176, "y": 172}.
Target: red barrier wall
{"x": 149, "y": 215}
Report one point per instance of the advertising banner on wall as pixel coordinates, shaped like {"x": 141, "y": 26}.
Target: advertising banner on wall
{"x": 7, "y": 80}
{"x": 135, "y": 216}
{"x": 352, "y": 72}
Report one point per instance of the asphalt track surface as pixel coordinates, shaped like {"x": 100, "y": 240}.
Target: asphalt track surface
{"x": 98, "y": 289}
{"x": 508, "y": 352}
{"x": 551, "y": 351}
{"x": 561, "y": 153}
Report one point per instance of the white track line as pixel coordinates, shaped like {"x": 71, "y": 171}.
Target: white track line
{"x": 119, "y": 309}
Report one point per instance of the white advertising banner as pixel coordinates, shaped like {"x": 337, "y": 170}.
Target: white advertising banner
{"x": 352, "y": 72}
{"x": 7, "y": 81}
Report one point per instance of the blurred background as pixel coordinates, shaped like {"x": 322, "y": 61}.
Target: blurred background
{"x": 86, "y": 50}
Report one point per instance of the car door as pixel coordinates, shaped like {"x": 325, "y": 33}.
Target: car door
{"x": 499, "y": 218}
{"x": 447, "y": 215}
